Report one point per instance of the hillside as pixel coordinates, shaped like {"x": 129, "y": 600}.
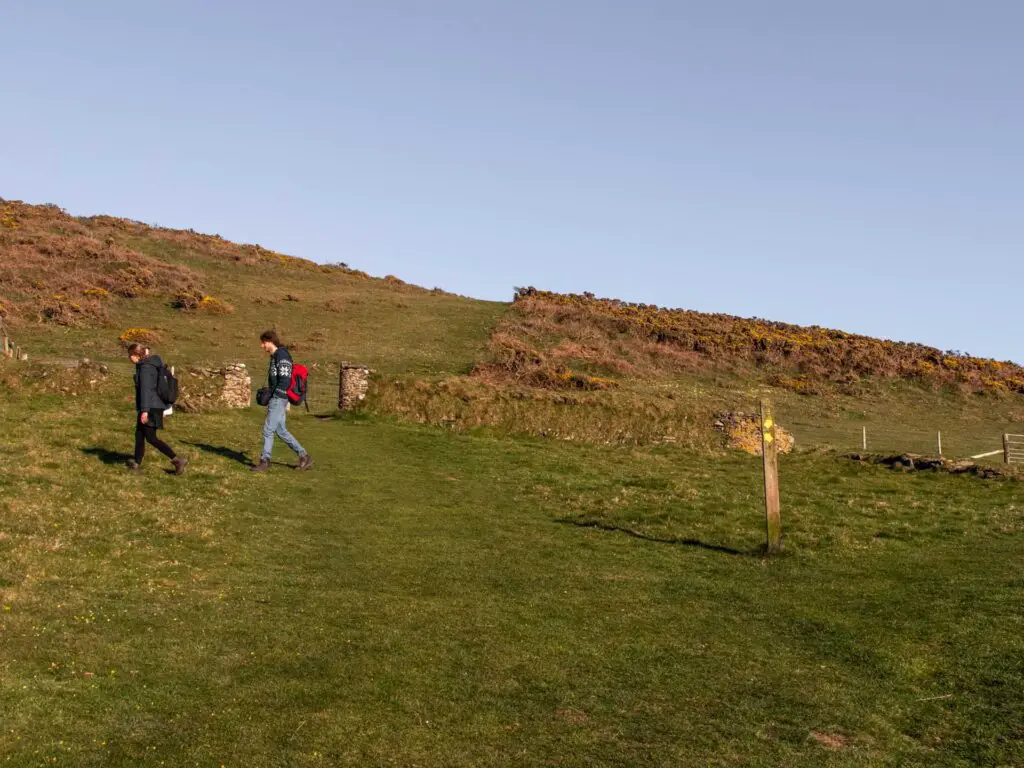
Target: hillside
{"x": 70, "y": 286}
{"x": 574, "y": 367}
{"x": 474, "y": 595}
{"x": 548, "y": 332}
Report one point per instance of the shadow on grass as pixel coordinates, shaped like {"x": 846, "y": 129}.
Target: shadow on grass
{"x": 108, "y": 456}
{"x": 220, "y": 450}
{"x": 696, "y": 543}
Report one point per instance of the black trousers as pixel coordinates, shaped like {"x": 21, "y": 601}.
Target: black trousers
{"x": 146, "y": 433}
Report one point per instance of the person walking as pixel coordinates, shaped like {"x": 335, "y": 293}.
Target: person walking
{"x": 149, "y": 409}
{"x": 275, "y": 397}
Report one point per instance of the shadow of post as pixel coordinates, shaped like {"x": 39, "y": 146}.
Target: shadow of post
{"x": 683, "y": 542}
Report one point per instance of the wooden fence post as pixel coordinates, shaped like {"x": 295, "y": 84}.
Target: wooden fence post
{"x": 770, "y": 453}
{"x": 864, "y": 439}
{"x": 1006, "y": 448}
{"x": 940, "y": 444}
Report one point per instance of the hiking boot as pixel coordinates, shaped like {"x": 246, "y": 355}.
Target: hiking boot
{"x": 305, "y": 462}
{"x": 179, "y": 465}
{"x": 132, "y": 466}
{"x": 263, "y": 466}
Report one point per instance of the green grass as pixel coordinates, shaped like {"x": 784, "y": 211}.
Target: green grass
{"x": 428, "y": 598}
{"x": 899, "y": 416}
{"x": 473, "y": 596}
{"x": 396, "y": 329}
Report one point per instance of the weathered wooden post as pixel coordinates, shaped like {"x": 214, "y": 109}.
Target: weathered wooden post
{"x": 940, "y": 444}
{"x": 1006, "y": 448}
{"x": 770, "y": 454}
{"x": 864, "y": 439}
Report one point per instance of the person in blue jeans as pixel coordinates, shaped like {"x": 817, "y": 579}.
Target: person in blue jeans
{"x": 279, "y": 378}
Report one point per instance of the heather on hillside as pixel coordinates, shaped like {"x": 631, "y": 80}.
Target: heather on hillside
{"x": 58, "y": 269}
{"x": 63, "y": 278}
{"x": 550, "y": 331}
{"x": 62, "y": 269}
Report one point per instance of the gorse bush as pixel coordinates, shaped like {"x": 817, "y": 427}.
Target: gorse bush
{"x": 608, "y": 333}
{"x": 187, "y": 300}
{"x": 215, "y": 306}
{"x": 197, "y": 301}
{"x": 8, "y": 218}
{"x": 71, "y": 312}
{"x": 140, "y": 336}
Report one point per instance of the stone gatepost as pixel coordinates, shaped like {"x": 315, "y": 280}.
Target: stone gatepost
{"x": 353, "y": 384}
{"x": 237, "y": 392}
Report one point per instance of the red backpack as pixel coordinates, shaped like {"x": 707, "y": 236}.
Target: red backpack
{"x": 298, "y": 389}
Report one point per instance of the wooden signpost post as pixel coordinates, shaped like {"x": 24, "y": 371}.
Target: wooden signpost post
{"x": 770, "y": 452}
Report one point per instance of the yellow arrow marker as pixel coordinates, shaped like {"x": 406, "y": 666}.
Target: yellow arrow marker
{"x": 768, "y": 438}
{"x": 768, "y": 423}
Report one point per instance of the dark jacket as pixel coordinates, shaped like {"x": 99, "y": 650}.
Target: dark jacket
{"x": 146, "y": 374}
{"x": 279, "y": 376}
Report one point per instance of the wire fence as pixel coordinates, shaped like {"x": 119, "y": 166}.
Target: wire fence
{"x": 956, "y": 440}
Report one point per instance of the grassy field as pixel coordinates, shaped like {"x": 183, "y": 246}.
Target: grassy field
{"x": 431, "y": 598}
{"x": 478, "y": 572}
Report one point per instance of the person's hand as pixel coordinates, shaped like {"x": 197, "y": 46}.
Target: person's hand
{"x": 144, "y": 418}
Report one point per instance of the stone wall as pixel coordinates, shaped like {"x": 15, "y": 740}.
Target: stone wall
{"x": 204, "y": 389}
{"x": 353, "y": 385}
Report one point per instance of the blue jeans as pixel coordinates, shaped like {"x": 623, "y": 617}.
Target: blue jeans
{"x": 274, "y": 425}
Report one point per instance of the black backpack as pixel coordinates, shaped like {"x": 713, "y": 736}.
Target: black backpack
{"x": 166, "y": 385}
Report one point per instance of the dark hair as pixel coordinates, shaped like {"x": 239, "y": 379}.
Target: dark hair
{"x": 272, "y": 337}
{"x": 140, "y": 351}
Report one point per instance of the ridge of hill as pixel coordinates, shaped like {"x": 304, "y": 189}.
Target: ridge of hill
{"x": 73, "y": 285}
{"x": 548, "y": 334}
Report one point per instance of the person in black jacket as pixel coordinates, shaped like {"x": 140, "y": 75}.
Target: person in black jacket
{"x": 149, "y": 409}
{"x": 279, "y": 378}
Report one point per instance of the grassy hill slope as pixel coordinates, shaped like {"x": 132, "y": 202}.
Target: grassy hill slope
{"x": 429, "y": 598}
{"x": 70, "y": 286}
{"x": 433, "y": 596}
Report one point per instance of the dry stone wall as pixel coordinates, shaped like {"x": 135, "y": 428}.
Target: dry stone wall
{"x": 204, "y": 389}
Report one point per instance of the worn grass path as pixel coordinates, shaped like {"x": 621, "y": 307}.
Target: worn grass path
{"x": 436, "y": 599}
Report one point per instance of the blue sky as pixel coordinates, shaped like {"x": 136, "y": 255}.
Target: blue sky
{"x": 848, "y": 164}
